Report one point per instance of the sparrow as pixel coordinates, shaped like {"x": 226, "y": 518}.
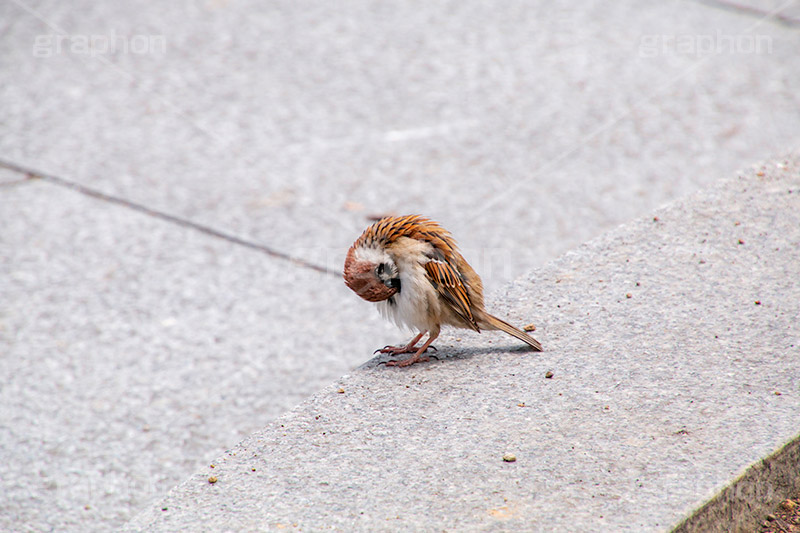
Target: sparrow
{"x": 411, "y": 267}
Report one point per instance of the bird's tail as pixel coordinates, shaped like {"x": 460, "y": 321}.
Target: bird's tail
{"x": 492, "y": 322}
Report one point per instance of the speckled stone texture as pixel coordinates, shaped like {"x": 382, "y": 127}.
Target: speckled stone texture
{"x": 674, "y": 344}
{"x": 526, "y": 128}
{"x": 135, "y": 350}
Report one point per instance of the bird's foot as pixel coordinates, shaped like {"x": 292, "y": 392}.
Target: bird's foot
{"x": 398, "y": 350}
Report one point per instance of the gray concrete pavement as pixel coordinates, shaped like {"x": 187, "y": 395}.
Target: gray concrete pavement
{"x": 10, "y": 177}
{"x": 138, "y": 349}
{"x": 133, "y": 351}
{"x": 288, "y": 125}
{"x": 673, "y": 343}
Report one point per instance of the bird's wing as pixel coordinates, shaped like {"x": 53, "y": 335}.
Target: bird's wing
{"x": 449, "y": 285}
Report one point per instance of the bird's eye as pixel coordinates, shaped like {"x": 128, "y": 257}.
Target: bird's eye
{"x": 380, "y": 269}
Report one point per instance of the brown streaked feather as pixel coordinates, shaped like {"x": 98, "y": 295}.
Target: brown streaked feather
{"x": 443, "y": 269}
{"x": 448, "y": 284}
{"x": 387, "y": 230}
{"x": 492, "y": 322}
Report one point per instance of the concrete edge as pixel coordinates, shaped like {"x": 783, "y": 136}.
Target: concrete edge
{"x": 741, "y": 505}
{"x": 738, "y": 506}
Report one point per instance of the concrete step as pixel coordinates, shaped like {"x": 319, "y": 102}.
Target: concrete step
{"x": 674, "y": 347}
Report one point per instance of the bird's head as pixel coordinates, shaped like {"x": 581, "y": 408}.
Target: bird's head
{"x": 371, "y": 273}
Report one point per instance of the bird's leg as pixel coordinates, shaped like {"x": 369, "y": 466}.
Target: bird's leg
{"x": 411, "y": 347}
{"x": 416, "y": 357}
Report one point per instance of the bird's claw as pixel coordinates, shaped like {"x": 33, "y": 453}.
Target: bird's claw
{"x": 397, "y": 350}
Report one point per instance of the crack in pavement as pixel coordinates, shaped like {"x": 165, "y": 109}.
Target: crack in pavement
{"x": 735, "y": 7}
{"x": 31, "y": 174}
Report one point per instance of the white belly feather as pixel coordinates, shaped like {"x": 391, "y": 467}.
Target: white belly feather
{"x": 416, "y": 305}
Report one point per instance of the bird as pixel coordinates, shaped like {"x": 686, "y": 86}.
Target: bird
{"x": 410, "y": 266}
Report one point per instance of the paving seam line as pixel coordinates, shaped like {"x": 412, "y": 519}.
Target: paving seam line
{"x": 750, "y": 11}
{"x": 208, "y": 230}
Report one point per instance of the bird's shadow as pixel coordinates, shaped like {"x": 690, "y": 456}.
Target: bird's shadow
{"x": 446, "y": 354}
